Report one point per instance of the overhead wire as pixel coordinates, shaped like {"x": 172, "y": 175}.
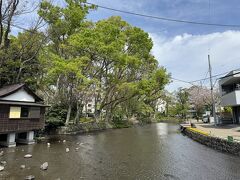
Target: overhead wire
{"x": 216, "y": 75}
{"x": 164, "y": 18}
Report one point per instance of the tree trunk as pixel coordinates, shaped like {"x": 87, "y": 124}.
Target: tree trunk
{"x": 1, "y": 25}
{"x": 68, "y": 114}
{"x": 9, "y": 20}
{"x": 18, "y": 75}
{"x": 77, "y": 117}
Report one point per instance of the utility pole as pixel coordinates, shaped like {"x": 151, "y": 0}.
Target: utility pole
{"x": 211, "y": 83}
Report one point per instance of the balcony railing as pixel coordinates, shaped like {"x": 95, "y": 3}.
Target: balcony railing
{"x": 230, "y": 89}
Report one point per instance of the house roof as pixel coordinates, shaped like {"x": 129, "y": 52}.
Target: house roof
{"x": 10, "y": 89}
{"x": 23, "y": 103}
{"x": 230, "y": 78}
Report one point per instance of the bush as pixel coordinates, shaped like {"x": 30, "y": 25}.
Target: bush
{"x": 86, "y": 119}
{"x": 169, "y": 119}
{"x": 56, "y": 114}
{"x": 121, "y": 124}
{"x": 53, "y": 123}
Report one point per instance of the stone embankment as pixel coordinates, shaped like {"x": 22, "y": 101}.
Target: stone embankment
{"x": 82, "y": 128}
{"x": 210, "y": 141}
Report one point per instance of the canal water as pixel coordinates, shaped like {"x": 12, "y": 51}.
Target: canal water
{"x": 156, "y": 151}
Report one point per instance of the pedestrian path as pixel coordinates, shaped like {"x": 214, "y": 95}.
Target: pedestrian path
{"x": 222, "y": 131}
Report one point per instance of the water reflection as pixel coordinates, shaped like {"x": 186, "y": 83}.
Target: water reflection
{"x": 162, "y": 129}
{"x": 155, "y": 151}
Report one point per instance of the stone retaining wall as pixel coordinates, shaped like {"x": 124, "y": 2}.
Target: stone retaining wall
{"x": 213, "y": 142}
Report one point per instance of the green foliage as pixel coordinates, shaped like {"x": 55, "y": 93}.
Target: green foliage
{"x": 56, "y": 114}
{"x": 19, "y": 62}
{"x": 227, "y": 109}
{"x": 86, "y": 120}
{"x": 168, "y": 119}
{"x": 78, "y": 61}
{"x": 182, "y": 105}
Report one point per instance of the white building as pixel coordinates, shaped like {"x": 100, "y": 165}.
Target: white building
{"x": 230, "y": 93}
{"x": 161, "y": 106}
{"x": 89, "y": 106}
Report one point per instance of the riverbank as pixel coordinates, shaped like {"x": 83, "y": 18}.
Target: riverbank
{"x": 86, "y": 127}
{"x": 206, "y": 138}
{"x": 93, "y": 126}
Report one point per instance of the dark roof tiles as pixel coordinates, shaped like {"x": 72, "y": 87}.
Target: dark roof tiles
{"x": 9, "y": 89}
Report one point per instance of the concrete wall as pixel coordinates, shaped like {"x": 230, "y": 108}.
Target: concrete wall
{"x": 214, "y": 142}
{"x": 231, "y": 99}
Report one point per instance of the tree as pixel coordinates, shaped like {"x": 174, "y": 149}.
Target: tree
{"x": 200, "y": 97}
{"x": 121, "y": 63}
{"x": 65, "y": 70}
{"x": 76, "y": 60}
{"x": 182, "y": 105}
{"x": 19, "y": 62}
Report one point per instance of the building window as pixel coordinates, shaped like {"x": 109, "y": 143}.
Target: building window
{"x": 34, "y": 112}
{"x": 24, "y": 112}
{"x": 89, "y": 105}
{"x": 15, "y": 112}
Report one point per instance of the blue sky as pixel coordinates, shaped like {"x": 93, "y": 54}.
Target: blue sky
{"x": 183, "y": 48}
{"x": 221, "y": 11}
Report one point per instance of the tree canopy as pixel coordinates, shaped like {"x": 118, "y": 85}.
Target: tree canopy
{"x": 76, "y": 61}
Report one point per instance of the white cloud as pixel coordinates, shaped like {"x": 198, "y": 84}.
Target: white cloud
{"x": 185, "y": 56}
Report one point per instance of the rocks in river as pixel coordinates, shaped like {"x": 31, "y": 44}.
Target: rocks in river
{"x": 3, "y": 163}
{"x": 48, "y": 144}
{"x": 1, "y": 153}
{"x": 1, "y": 168}
{"x": 28, "y": 156}
{"x": 64, "y": 141}
{"x": 22, "y": 166}
{"x": 44, "y": 166}
{"x": 67, "y": 149}
{"x": 76, "y": 149}
{"x": 30, "y": 177}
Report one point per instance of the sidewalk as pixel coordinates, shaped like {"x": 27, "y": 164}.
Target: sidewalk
{"x": 222, "y": 131}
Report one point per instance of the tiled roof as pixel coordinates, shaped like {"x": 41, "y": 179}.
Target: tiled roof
{"x": 9, "y": 89}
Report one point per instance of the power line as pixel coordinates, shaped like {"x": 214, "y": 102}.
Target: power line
{"x": 199, "y": 80}
{"x": 216, "y": 75}
{"x": 164, "y": 18}
{"x": 180, "y": 80}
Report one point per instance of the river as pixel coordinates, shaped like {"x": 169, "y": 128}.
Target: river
{"x": 156, "y": 151}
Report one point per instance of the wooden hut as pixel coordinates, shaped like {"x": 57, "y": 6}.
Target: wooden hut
{"x": 21, "y": 112}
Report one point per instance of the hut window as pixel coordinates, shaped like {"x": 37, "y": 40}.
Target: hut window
{"x": 24, "y": 112}
{"x": 34, "y": 112}
{"x": 15, "y": 112}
